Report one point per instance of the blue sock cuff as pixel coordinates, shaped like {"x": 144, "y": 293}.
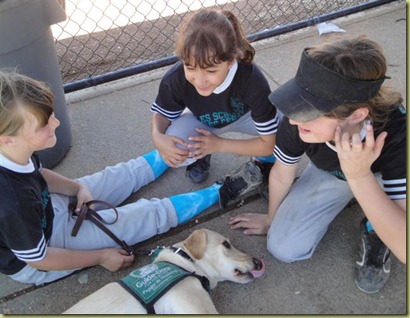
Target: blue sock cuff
{"x": 156, "y": 163}
{"x": 369, "y": 226}
{"x": 270, "y": 159}
{"x": 188, "y": 205}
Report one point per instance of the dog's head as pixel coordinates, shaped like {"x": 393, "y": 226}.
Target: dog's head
{"x": 219, "y": 260}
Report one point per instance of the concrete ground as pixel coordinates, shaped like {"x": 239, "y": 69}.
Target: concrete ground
{"x": 111, "y": 123}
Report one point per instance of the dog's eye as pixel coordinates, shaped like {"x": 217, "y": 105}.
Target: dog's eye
{"x": 226, "y": 244}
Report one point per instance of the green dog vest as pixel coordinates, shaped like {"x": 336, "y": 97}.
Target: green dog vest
{"x": 150, "y": 282}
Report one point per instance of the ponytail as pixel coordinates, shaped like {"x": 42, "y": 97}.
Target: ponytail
{"x": 246, "y": 52}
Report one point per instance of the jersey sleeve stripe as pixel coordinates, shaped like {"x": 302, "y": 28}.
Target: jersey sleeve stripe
{"x": 395, "y": 196}
{"x": 395, "y": 189}
{"x": 285, "y": 159}
{"x": 266, "y": 131}
{"x": 168, "y": 114}
{"x": 269, "y": 127}
{"x": 395, "y": 182}
{"x": 33, "y": 255}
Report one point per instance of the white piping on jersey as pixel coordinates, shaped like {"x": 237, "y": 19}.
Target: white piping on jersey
{"x": 268, "y": 127}
{"x": 8, "y": 164}
{"x": 32, "y": 255}
{"x": 228, "y": 80}
{"x": 286, "y": 160}
{"x": 170, "y": 115}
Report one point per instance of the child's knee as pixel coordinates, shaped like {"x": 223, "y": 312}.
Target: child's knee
{"x": 280, "y": 253}
{"x": 287, "y": 250}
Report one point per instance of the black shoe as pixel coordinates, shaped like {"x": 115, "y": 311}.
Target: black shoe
{"x": 373, "y": 264}
{"x": 245, "y": 179}
{"x": 264, "y": 192}
{"x": 199, "y": 170}
{"x": 265, "y": 168}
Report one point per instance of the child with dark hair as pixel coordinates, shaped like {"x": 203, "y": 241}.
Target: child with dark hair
{"x": 36, "y": 245}
{"x": 353, "y": 130}
{"x": 215, "y": 88}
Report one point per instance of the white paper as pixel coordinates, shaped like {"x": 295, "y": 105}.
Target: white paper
{"x": 326, "y": 27}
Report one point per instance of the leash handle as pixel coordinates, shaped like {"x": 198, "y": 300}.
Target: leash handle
{"x": 99, "y": 217}
{"x": 88, "y": 213}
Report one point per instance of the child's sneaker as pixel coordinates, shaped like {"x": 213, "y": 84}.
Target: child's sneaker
{"x": 245, "y": 179}
{"x": 199, "y": 170}
{"x": 265, "y": 169}
{"x": 373, "y": 264}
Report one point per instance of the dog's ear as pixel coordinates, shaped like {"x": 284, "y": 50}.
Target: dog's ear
{"x": 196, "y": 244}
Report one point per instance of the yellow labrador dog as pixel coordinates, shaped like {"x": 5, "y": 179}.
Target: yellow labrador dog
{"x": 205, "y": 255}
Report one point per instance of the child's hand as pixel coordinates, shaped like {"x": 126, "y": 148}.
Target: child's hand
{"x": 355, "y": 156}
{"x": 203, "y": 145}
{"x": 253, "y": 223}
{"x": 168, "y": 148}
{"x": 83, "y": 196}
{"x": 115, "y": 259}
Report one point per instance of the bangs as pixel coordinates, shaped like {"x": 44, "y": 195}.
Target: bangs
{"x": 39, "y": 101}
{"x": 203, "y": 51}
{"x": 42, "y": 113}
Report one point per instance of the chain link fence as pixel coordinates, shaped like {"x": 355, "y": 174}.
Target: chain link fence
{"x": 103, "y": 37}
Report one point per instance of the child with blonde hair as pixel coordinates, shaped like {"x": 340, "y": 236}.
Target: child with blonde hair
{"x": 36, "y": 245}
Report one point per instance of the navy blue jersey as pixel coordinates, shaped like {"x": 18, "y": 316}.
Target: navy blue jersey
{"x": 391, "y": 163}
{"x": 245, "y": 89}
{"x": 26, "y": 215}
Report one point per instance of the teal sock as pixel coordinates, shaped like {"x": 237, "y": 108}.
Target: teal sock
{"x": 188, "y": 205}
{"x": 270, "y": 159}
{"x": 156, "y": 163}
{"x": 369, "y": 226}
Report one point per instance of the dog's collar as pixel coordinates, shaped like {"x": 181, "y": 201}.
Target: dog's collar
{"x": 180, "y": 251}
{"x": 177, "y": 250}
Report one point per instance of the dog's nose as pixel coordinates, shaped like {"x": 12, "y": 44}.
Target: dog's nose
{"x": 257, "y": 263}
{"x": 259, "y": 267}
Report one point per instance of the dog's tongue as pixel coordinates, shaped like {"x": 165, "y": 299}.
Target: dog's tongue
{"x": 259, "y": 272}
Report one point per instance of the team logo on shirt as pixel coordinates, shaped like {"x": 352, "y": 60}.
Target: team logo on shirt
{"x": 338, "y": 174}
{"x": 45, "y": 196}
{"x": 220, "y": 119}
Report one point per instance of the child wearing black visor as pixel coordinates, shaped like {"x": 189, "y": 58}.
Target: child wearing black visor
{"x": 353, "y": 130}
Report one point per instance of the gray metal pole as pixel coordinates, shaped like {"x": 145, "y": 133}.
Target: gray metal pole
{"x": 27, "y": 47}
